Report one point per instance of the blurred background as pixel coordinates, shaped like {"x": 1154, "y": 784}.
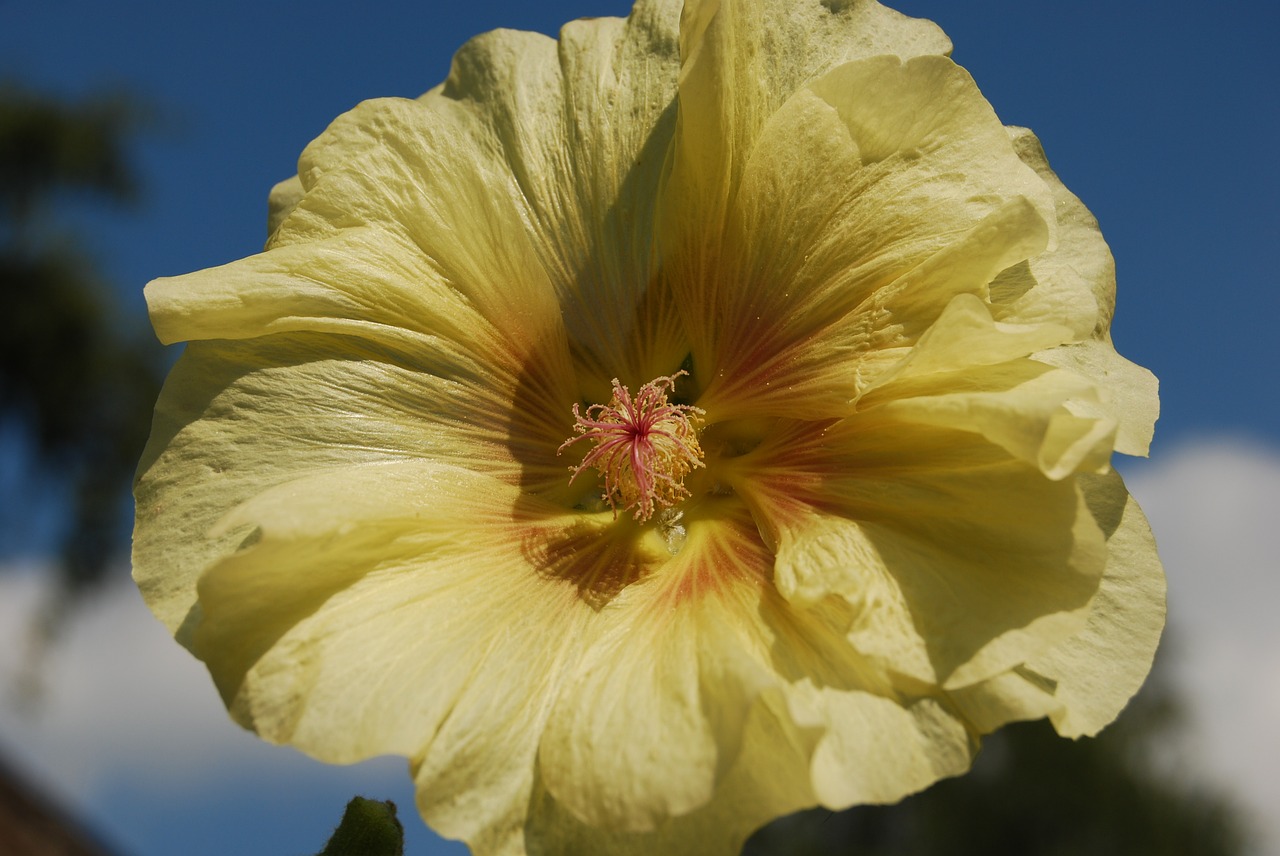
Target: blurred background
{"x": 139, "y": 139}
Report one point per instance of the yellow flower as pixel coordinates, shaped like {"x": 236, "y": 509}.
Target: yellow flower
{"x": 653, "y": 432}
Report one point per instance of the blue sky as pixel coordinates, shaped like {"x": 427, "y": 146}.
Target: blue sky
{"x": 1162, "y": 117}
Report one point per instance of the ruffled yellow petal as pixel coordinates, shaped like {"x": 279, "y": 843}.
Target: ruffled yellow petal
{"x": 769, "y": 776}
{"x": 966, "y": 373}
{"x": 281, "y": 201}
{"x": 367, "y": 289}
{"x": 1097, "y": 671}
{"x": 657, "y": 675}
{"x": 1021, "y": 410}
{"x": 1083, "y": 683}
{"x": 1125, "y": 394}
{"x": 779, "y": 770}
{"x": 1074, "y": 284}
{"x": 966, "y": 337}
{"x": 403, "y": 608}
{"x": 366, "y": 281}
{"x": 583, "y": 126}
{"x": 740, "y": 60}
{"x": 871, "y": 198}
{"x": 707, "y": 672}
{"x": 236, "y": 418}
{"x": 427, "y": 176}
{"x": 958, "y": 559}
{"x": 396, "y": 284}
{"x": 878, "y": 750}
{"x": 1013, "y": 696}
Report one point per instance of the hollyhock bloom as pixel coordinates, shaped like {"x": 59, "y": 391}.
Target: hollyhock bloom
{"x": 653, "y": 432}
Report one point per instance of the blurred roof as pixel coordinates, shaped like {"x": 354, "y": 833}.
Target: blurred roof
{"x": 31, "y": 824}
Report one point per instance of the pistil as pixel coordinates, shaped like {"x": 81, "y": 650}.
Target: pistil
{"x": 644, "y": 446}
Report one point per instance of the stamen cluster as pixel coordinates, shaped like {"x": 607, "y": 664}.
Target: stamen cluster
{"x": 644, "y": 446}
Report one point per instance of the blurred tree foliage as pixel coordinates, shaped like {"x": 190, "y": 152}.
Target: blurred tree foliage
{"x": 1032, "y": 793}
{"x": 76, "y": 377}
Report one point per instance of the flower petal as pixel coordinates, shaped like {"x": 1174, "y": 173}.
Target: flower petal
{"x": 365, "y": 281}
{"x": 1102, "y": 667}
{"x": 965, "y": 336}
{"x": 639, "y": 734}
{"x": 960, "y": 561}
{"x": 1020, "y": 405}
{"x": 583, "y": 125}
{"x": 1074, "y": 283}
{"x": 873, "y": 741}
{"x": 878, "y": 750}
{"x": 402, "y": 608}
{"x": 281, "y": 201}
{"x": 769, "y": 777}
{"x": 1014, "y": 696}
{"x": 1083, "y": 683}
{"x": 1126, "y": 393}
{"x": 815, "y": 275}
{"x": 703, "y": 672}
{"x": 740, "y": 60}
{"x": 236, "y": 418}
{"x": 1098, "y": 670}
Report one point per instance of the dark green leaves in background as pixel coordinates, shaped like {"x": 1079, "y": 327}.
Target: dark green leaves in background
{"x": 77, "y": 378}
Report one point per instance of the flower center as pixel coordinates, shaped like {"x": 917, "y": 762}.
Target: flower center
{"x": 644, "y": 446}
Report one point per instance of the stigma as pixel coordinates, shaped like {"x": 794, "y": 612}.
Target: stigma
{"x": 644, "y": 446}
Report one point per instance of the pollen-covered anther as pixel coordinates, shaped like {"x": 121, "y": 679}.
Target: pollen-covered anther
{"x": 644, "y": 446}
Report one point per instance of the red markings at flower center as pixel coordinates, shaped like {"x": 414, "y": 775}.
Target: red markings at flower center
{"x": 644, "y": 446}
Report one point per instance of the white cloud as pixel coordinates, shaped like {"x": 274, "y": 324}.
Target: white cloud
{"x": 1213, "y": 507}
{"x": 118, "y": 697}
